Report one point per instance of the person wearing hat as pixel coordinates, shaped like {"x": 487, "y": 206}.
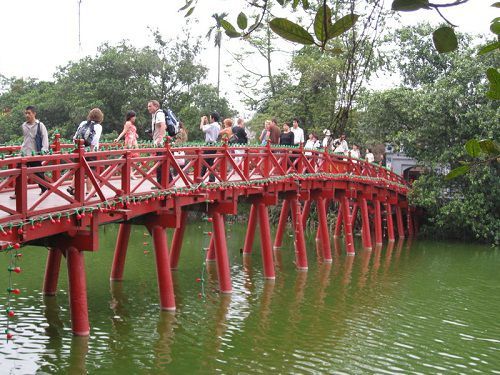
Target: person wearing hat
{"x": 328, "y": 140}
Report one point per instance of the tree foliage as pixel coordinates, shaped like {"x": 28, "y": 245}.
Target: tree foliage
{"x": 119, "y": 78}
{"x": 441, "y": 106}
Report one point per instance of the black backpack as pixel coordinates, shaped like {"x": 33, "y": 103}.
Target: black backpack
{"x": 172, "y": 122}
{"x": 38, "y": 138}
{"x": 86, "y": 132}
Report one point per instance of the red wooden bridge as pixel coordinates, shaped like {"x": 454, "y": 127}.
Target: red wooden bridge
{"x": 125, "y": 190}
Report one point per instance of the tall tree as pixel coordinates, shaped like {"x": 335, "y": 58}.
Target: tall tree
{"x": 217, "y": 41}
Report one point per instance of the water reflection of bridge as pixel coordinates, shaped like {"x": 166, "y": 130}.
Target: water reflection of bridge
{"x": 262, "y": 176}
{"x": 277, "y": 307}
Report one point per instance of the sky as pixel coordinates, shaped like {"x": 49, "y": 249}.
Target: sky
{"x": 37, "y": 36}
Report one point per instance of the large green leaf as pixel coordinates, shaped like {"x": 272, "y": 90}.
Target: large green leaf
{"x": 409, "y": 5}
{"x": 291, "y": 31}
{"x": 342, "y": 25}
{"x": 459, "y": 171}
{"x": 495, "y": 27}
{"x": 489, "y": 147}
{"x": 445, "y": 39}
{"x": 319, "y": 23}
{"x": 229, "y": 28}
{"x": 242, "y": 21}
{"x": 488, "y": 48}
{"x": 494, "y": 78}
{"x": 473, "y": 148}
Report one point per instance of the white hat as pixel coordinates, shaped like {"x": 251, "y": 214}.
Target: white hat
{"x": 326, "y": 132}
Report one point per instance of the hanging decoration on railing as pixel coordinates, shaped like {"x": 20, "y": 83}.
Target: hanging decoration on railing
{"x": 13, "y": 251}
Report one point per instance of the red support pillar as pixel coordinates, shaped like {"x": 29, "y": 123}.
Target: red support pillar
{"x": 324, "y": 232}
{"x": 177, "y": 239}
{"x": 211, "y": 251}
{"x": 52, "y": 268}
{"x": 223, "y": 270}
{"x": 338, "y": 224}
{"x": 390, "y": 224}
{"x": 305, "y": 213}
{"x": 77, "y": 292}
{"x": 349, "y": 239}
{"x": 378, "y": 222}
{"x": 120, "y": 252}
{"x": 399, "y": 221}
{"x": 354, "y": 213}
{"x": 278, "y": 241}
{"x": 365, "y": 230}
{"x": 300, "y": 243}
{"x": 250, "y": 235}
{"x": 265, "y": 240}
{"x": 165, "y": 284}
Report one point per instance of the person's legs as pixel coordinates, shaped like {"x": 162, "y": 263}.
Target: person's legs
{"x": 39, "y": 174}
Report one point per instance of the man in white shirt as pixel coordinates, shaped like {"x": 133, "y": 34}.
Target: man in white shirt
{"x": 159, "y": 129}
{"x": 298, "y": 133}
{"x": 341, "y": 146}
{"x": 328, "y": 140}
{"x": 31, "y": 127}
{"x": 211, "y": 131}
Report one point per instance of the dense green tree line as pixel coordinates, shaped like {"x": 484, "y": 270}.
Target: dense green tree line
{"x": 119, "y": 78}
{"x": 441, "y": 104}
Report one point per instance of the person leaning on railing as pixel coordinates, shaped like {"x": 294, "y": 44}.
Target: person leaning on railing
{"x": 35, "y": 140}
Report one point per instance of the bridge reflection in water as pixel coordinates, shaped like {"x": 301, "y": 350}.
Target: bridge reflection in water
{"x": 67, "y": 222}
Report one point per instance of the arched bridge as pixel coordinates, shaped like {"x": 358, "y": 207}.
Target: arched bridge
{"x": 123, "y": 188}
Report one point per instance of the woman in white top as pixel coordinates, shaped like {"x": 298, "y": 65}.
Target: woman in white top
{"x": 312, "y": 143}
{"x": 94, "y": 120}
{"x": 369, "y": 157}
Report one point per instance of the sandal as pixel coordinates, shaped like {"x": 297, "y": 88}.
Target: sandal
{"x": 71, "y": 190}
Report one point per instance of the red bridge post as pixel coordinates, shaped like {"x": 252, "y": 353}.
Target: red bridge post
{"x": 175, "y": 251}
{"x": 265, "y": 240}
{"x": 338, "y": 223}
{"x": 399, "y": 221}
{"x": 278, "y": 241}
{"x": 305, "y": 212}
{"x": 365, "y": 230}
{"x": 223, "y": 270}
{"x": 323, "y": 229}
{"x": 57, "y": 149}
{"x": 165, "y": 284}
{"x": 378, "y": 222}
{"x": 52, "y": 268}
{"x": 250, "y": 235}
{"x": 300, "y": 243}
{"x": 120, "y": 252}
{"x": 211, "y": 250}
{"x": 77, "y": 292}
{"x": 349, "y": 239}
{"x": 390, "y": 224}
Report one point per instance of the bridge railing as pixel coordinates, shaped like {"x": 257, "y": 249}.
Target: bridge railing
{"x": 113, "y": 174}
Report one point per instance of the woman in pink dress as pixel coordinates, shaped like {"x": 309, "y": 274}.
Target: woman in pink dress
{"x": 130, "y": 132}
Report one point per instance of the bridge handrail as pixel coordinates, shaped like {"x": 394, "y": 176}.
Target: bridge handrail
{"x": 111, "y": 170}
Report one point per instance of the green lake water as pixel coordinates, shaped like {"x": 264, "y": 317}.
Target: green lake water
{"x": 421, "y": 307}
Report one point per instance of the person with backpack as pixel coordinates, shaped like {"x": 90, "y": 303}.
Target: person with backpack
{"x": 35, "y": 139}
{"x": 89, "y": 131}
{"x": 159, "y": 130}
